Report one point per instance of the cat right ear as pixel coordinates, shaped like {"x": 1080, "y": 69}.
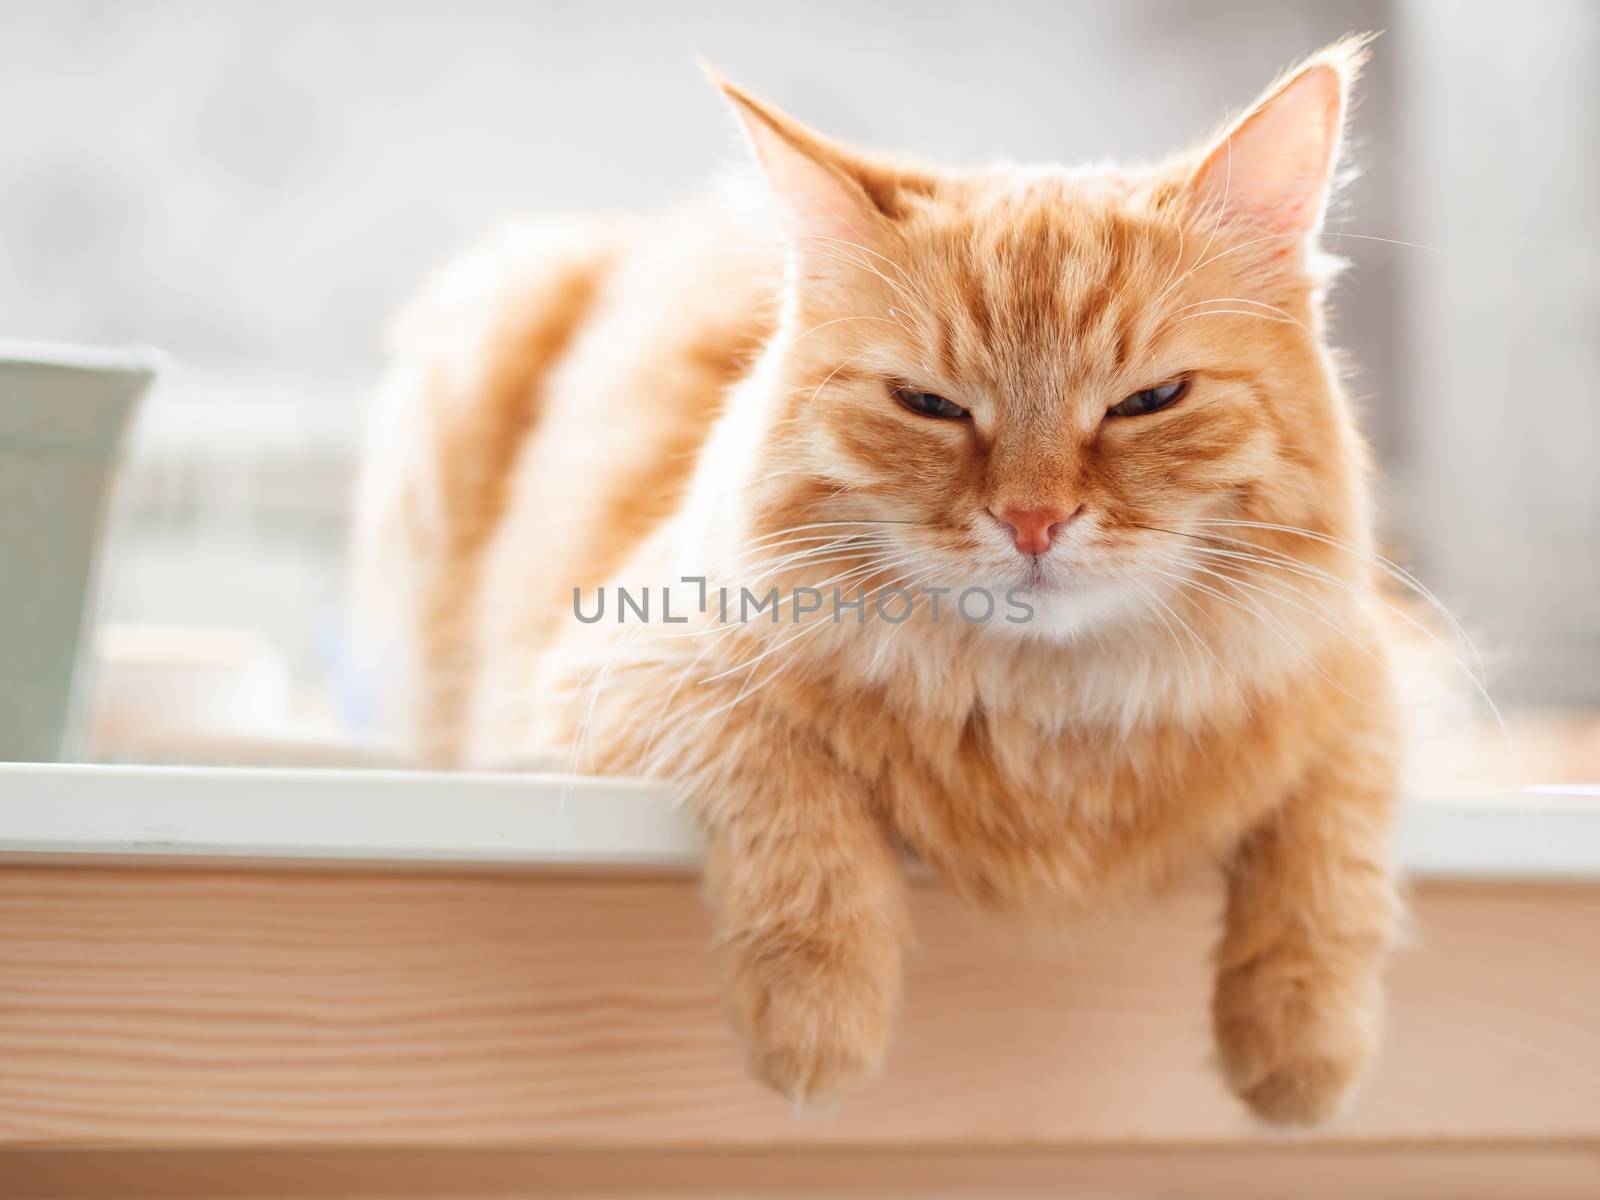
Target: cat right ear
{"x": 1273, "y": 169}
{"x": 821, "y": 190}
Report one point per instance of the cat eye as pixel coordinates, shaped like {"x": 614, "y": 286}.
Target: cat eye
{"x": 1150, "y": 400}
{"x": 926, "y": 404}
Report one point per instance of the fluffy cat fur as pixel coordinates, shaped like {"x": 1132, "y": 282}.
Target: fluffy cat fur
{"x": 578, "y": 403}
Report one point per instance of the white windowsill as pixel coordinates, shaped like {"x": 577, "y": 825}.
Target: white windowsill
{"x": 271, "y": 816}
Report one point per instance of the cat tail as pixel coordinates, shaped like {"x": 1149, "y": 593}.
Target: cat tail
{"x": 469, "y": 359}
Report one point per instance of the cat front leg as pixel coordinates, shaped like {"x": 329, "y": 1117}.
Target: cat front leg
{"x": 1312, "y": 907}
{"x": 810, "y": 913}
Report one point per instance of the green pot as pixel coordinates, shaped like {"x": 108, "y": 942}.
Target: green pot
{"x": 63, "y": 413}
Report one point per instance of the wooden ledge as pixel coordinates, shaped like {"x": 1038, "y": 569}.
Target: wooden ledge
{"x": 316, "y": 1011}
{"x": 424, "y": 1027}
{"x": 1269, "y": 1172}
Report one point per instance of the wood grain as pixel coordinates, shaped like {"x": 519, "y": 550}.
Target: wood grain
{"x": 1267, "y": 1172}
{"x": 273, "y": 1012}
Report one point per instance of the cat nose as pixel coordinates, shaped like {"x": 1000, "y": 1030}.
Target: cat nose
{"x": 1034, "y": 529}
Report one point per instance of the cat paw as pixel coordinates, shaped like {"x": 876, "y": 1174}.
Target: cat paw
{"x": 1293, "y": 1038}
{"x": 815, "y": 1022}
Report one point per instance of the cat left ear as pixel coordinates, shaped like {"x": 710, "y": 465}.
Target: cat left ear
{"x": 1273, "y": 169}
{"x": 822, "y": 190}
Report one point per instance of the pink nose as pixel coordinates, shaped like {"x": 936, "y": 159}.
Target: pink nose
{"x": 1034, "y": 529}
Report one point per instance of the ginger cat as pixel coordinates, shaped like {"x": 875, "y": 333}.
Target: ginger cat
{"x": 1101, "y": 396}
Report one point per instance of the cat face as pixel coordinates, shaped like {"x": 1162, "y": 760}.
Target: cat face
{"x": 1051, "y": 379}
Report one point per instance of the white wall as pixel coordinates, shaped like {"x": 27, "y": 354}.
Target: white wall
{"x": 261, "y": 180}
{"x": 1500, "y": 168}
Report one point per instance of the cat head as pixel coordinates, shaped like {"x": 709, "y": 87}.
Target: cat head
{"x": 1060, "y": 379}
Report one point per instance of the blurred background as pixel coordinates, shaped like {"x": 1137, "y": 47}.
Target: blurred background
{"x": 256, "y": 185}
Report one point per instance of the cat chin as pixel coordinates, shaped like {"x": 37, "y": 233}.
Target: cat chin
{"x": 1065, "y": 611}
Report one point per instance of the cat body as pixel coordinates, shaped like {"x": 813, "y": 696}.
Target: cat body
{"x": 1097, "y": 402}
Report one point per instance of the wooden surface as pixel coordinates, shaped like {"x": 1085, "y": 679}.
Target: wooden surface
{"x": 211, "y": 1010}
{"x": 1269, "y": 1172}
